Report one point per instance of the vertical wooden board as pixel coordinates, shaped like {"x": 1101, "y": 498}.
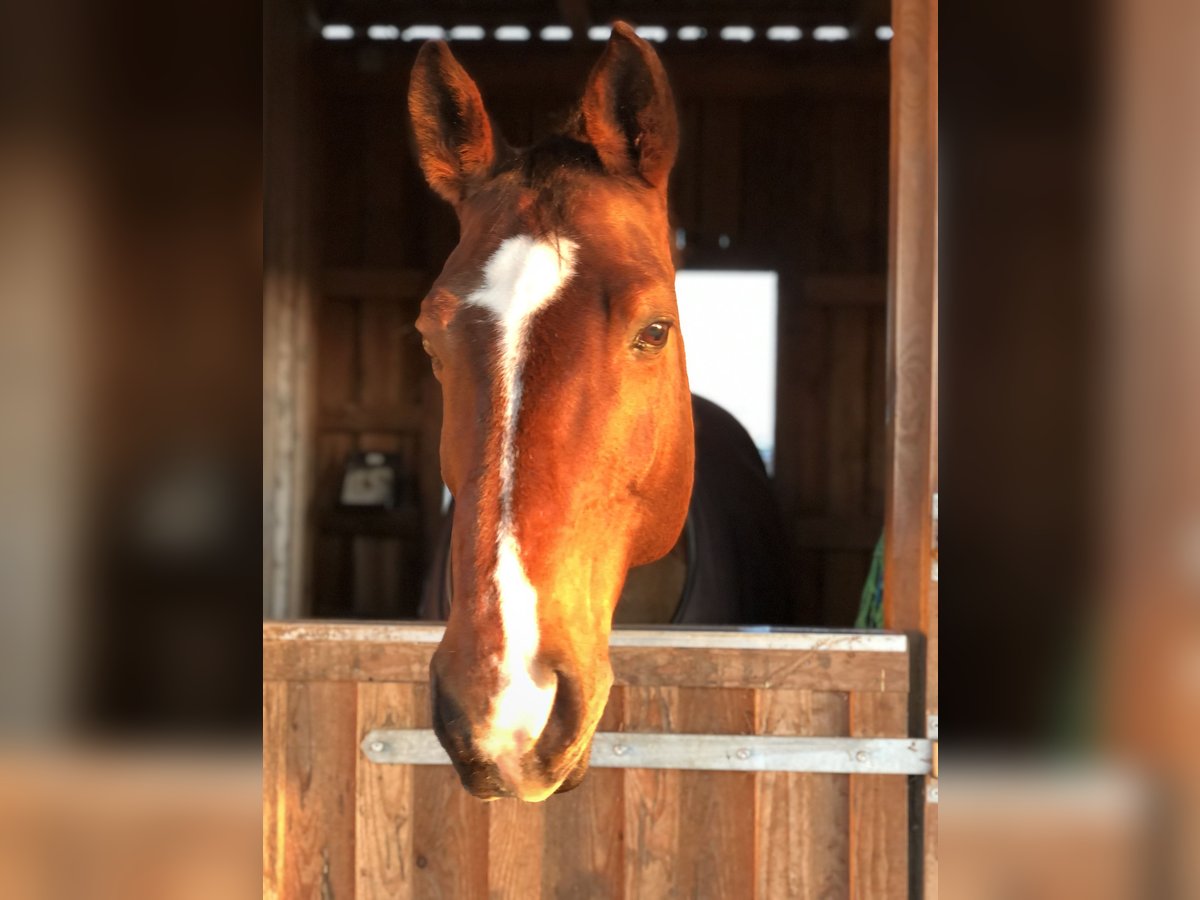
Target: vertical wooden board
{"x": 803, "y": 820}
{"x": 583, "y": 856}
{"x": 652, "y": 801}
{"x": 332, "y": 449}
{"x": 930, "y": 850}
{"x": 275, "y": 733}
{"x": 878, "y": 805}
{"x": 801, "y": 432}
{"x": 721, "y": 173}
{"x": 379, "y": 590}
{"x": 516, "y": 833}
{"x": 340, "y": 219}
{"x": 383, "y": 152}
{"x": 384, "y": 810}
{"x": 685, "y": 180}
{"x": 320, "y": 761}
{"x": 337, "y": 354}
{"x": 382, "y": 343}
{"x": 450, "y": 827}
{"x": 718, "y": 809}
{"x": 450, "y": 837}
{"x": 854, "y": 161}
{"x": 848, "y": 411}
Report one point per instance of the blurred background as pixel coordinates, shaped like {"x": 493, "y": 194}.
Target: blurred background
{"x": 146, "y": 152}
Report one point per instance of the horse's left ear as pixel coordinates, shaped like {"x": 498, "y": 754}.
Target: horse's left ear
{"x": 628, "y": 111}
{"x": 457, "y": 145}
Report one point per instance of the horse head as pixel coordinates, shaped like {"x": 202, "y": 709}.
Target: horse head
{"x": 567, "y": 425}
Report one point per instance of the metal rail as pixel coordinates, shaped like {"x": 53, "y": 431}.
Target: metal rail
{"x": 711, "y": 752}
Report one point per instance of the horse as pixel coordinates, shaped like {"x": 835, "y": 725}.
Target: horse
{"x": 568, "y": 439}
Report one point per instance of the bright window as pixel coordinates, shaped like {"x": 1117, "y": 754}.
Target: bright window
{"x": 728, "y": 320}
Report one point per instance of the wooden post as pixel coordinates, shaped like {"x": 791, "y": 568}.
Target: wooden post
{"x": 288, "y": 303}
{"x": 910, "y": 567}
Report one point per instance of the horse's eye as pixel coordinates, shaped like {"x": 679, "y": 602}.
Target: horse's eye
{"x": 654, "y": 336}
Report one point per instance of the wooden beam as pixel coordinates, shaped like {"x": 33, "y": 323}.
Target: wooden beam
{"x": 912, "y": 306}
{"x": 843, "y": 290}
{"x": 288, "y": 308}
{"x": 910, "y": 595}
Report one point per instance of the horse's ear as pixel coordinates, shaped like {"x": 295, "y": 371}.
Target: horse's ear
{"x": 628, "y": 113}
{"x": 455, "y": 139}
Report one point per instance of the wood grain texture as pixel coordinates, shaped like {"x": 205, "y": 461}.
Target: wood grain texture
{"x": 637, "y": 666}
{"x": 274, "y": 786}
{"x": 584, "y": 851}
{"x": 516, "y": 835}
{"x": 716, "y": 855}
{"x": 912, "y": 287}
{"x": 652, "y": 800}
{"x": 320, "y": 791}
{"x": 384, "y": 810}
{"x": 878, "y": 806}
{"x": 450, "y": 834}
{"x": 804, "y": 819}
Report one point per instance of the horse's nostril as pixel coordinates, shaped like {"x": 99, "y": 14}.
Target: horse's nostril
{"x": 566, "y": 717}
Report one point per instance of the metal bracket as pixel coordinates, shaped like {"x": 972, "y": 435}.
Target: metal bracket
{"x": 704, "y": 752}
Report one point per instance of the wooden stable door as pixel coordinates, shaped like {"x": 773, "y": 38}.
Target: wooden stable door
{"x": 728, "y": 765}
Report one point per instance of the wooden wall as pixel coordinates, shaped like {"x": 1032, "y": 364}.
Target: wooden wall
{"x": 784, "y": 154}
{"x": 338, "y": 825}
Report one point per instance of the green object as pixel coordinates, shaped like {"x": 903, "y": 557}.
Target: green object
{"x": 870, "y": 606}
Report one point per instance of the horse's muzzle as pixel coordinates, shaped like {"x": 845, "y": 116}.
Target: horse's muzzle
{"x": 555, "y": 763}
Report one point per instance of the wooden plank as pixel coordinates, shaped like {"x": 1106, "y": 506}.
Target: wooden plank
{"x": 762, "y": 669}
{"x": 374, "y": 283}
{"x": 843, "y": 290}
{"x": 643, "y": 667}
{"x": 803, "y": 836}
{"x": 289, "y": 259}
{"x": 275, "y": 734}
{"x": 930, "y": 848}
{"x": 382, "y": 341}
{"x": 337, "y": 357}
{"x": 320, "y": 762}
{"x": 585, "y": 858}
{"x": 346, "y": 661}
{"x": 878, "y": 806}
{"x": 912, "y": 298}
{"x": 716, "y": 852}
{"x": 652, "y": 800}
{"x": 848, "y": 412}
{"x": 516, "y": 834}
{"x": 450, "y": 832}
{"x": 721, "y": 176}
{"x": 622, "y": 639}
{"x": 355, "y": 417}
{"x": 384, "y": 811}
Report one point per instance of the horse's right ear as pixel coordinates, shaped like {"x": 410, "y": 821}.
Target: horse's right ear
{"x": 455, "y": 139}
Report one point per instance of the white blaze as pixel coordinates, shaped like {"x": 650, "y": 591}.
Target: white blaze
{"x": 522, "y": 277}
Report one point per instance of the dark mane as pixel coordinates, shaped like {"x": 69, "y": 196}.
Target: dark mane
{"x": 540, "y": 165}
